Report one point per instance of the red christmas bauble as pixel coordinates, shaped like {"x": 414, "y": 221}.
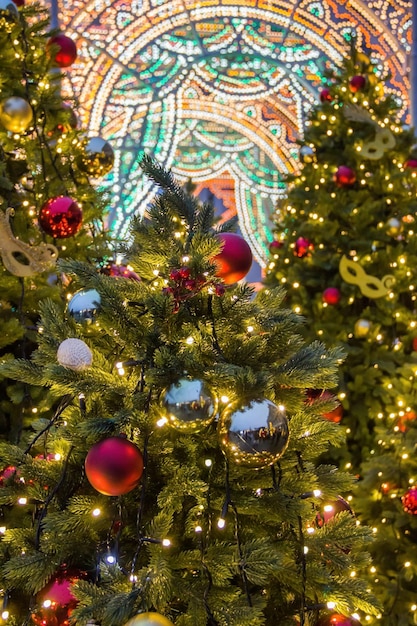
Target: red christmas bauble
{"x": 338, "y": 620}
{"x": 56, "y": 603}
{"x": 302, "y": 247}
{"x": 357, "y": 83}
{"x": 67, "y": 52}
{"x": 275, "y": 245}
{"x": 10, "y": 473}
{"x": 331, "y": 295}
{"x": 325, "y": 95}
{"x": 114, "y": 466}
{"x": 403, "y": 421}
{"x": 19, "y": 3}
{"x": 414, "y": 344}
{"x": 329, "y": 510}
{"x": 411, "y": 164}
{"x": 119, "y": 271}
{"x": 235, "y": 259}
{"x": 344, "y": 176}
{"x": 322, "y": 394}
{"x": 409, "y": 501}
{"x": 60, "y": 217}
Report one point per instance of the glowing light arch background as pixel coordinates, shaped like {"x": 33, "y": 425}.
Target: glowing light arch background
{"x": 218, "y": 90}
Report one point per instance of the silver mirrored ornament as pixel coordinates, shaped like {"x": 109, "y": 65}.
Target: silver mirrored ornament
{"x": 255, "y": 434}
{"x": 188, "y": 405}
{"x": 9, "y": 10}
{"x": 84, "y": 306}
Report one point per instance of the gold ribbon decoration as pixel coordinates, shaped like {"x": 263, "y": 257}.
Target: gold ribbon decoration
{"x": 370, "y": 286}
{"x": 20, "y": 258}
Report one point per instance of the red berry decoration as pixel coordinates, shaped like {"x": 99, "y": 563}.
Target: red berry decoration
{"x": 67, "y": 52}
{"x": 119, "y": 271}
{"x": 338, "y": 620}
{"x": 302, "y": 247}
{"x": 357, "y": 83}
{"x": 114, "y": 466}
{"x": 409, "y": 501}
{"x": 411, "y": 164}
{"x": 60, "y": 217}
{"x": 344, "y": 176}
{"x": 331, "y": 296}
{"x": 235, "y": 259}
{"x": 325, "y": 95}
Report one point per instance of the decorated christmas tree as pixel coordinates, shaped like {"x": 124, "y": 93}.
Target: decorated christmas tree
{"x": 177, "y": 481}
{"x": 49, "y": 205}
{"x": 346, "y": 249}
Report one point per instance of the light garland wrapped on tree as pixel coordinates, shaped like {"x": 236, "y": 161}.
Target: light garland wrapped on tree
{"x": 354, "y": 202}
{"x": 187, "y": 489}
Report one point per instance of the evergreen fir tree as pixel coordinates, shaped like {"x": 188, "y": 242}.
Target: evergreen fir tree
{"x": 49, "y": 206}
{"x": 177, "y": 481}
{"x": 345, "y": 250}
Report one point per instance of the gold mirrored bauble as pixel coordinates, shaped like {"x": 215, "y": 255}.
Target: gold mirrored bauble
{"x": 16, "y": 114}
{"x": 149, "y": 619}
{"x": 188, "y": 405}
{"x": 98, "y": 157}
{"x": 394, "y": 227}
{"x": 362, "y": 328}
{"x": 84, "y": 306}
{"x": 255, "y": 434}
{"x": 307, "y": 154}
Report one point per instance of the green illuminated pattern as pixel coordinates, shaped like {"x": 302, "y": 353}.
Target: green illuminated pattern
{"x": 218, "y": 91}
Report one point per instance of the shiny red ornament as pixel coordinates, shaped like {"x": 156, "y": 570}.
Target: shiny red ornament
{"x": 67, "y": 50}
{"x": 19, "y": 3}
{"x": 60, "y": 217}
{"x": 56, "y": 603}
{"x": 235, "y": 259}
{"x": 344, "y": 176}
{"x": 329, "y": 510}
{"x": 331, "y": 296}
{"x": 275, "y": 245}
{"x": 409, "y": 501}
{"x": 325, "y": 95}
{"x": 338, "y": 620}
{"x": 302, "y": 247}
{"x": 114, "y": 466}
{"x": 357, "y": 83}
{"x": 334, "y": 415}
{"x": 415, "y": 344}
{"x": 411, "y": 164}
{"x": 9, "y": 473}
{"x": 119, "y": 271}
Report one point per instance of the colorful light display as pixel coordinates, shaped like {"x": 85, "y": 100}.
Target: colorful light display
{"x": 218, "y": 90}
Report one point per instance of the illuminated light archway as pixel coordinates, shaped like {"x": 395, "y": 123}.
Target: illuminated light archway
{"x": 218, "y": 91}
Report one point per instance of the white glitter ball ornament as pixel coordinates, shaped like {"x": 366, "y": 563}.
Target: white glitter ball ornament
{"x": 74, "y": 354}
